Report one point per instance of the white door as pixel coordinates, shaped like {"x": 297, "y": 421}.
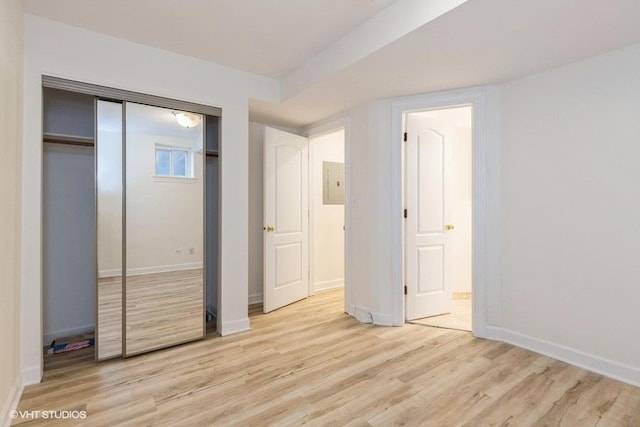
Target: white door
{"x": 286, "y": 218}
{"x": 427, "y": 240}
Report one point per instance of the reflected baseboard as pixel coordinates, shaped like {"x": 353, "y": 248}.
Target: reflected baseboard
{"x": 151, "y": 270}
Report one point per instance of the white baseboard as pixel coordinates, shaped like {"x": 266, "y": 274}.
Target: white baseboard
{"x": 382, "y": 319}
{"x": 50, "y": 336}
{"x": 606, "y": 367}
{"x": 255, "y": 298}
{"x": 11, "y": 402}
{"x": 362, "y": 314}
{"x": 493, "y": 333}
{"x": 234, "y": 326}
{"x": 328, "y": 284}
{"x": 31, "y": 375}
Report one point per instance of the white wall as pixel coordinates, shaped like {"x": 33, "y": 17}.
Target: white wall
{"x": 570, "y": 210}
{"x": 328, "y": 220}
{"x": 153, "y": 203}
{"x": 11, "y": 56}
{"x": 256, "y": 166}
{"x": 69, "y": 241}
{"x": 362, "y": 182}
{"x": 64, "y": 51}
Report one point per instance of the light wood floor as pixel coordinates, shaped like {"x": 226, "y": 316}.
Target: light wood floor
{"x": 459, "y": 318}
{"x": 310, "y": 364}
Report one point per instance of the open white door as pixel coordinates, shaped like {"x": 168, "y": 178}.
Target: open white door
{"x": 428, "y": 259}
{"x": 286, "y": 218}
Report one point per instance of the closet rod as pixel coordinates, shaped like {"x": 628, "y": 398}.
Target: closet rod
{"x": 56, "y": 138}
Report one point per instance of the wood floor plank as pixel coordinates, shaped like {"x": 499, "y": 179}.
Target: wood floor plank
{"x": 311, "y": 364}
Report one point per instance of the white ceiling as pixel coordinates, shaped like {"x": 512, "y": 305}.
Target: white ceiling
{"x": 476, "y": 42}
{"x": 267, "y": 37}
{"x": 479, "y": 42}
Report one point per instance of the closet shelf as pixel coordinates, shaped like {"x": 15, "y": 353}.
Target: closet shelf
{"x": 59, "y": 138}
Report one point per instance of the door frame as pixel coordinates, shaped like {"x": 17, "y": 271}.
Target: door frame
{"x": 313, "y": 132}
{"x": 485, "y": 252}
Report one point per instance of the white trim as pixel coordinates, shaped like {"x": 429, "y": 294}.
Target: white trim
{"x": 382, "y": 319}
{"x": 606, "y": 367}
{"x": 31, "y": 375}
{"x": 493, "y": 333}
{"x": 477, "y": 98}
{"x": 362, "y": 314}
{"x": 151, "y": 270}
{"x": 310, "y": 211}
{"x": 11, "y": 403}
{"x": 174, "y": 179}
{"x": 318, "y": 130}
{"x": 234, "y": 326}
{"x": 50, "y": 336}
{"x": 256, "y": 298}
{"x": 328, "y": 284}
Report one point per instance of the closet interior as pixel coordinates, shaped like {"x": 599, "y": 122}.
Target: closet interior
{"x": 130, "y": 194}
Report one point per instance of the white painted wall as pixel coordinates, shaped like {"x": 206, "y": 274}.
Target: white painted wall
{"x": 328, "y": 220}
{"x": 153, "y": 202}
{"x": 69, "y": 241}
{"x": 64, "y": 51}
{"x": 361, "y": 208}
{"x": 570, "y": 212}
{"x": 11, "y": 69}
{"x": 460, "y": 205}
{"x": 256, "y": 186}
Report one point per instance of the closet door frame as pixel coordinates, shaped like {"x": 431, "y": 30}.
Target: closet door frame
{"x": 123, "y": 96}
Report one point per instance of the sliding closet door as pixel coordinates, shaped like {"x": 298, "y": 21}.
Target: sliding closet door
{"x": 109, "y": 222}
{"x": 164, "y": 232}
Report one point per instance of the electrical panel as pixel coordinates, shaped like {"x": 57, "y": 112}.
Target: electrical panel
{"x": 332, "y": 183}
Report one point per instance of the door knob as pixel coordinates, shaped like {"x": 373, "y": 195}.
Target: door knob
{"x": 269, "y": 228}
{"x": 449, "y": 227}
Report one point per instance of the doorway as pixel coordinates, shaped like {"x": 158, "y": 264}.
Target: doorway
{"x": 438, "y": 194}
{"x": 326, "y": 211}
{"x": 304, "y": 216}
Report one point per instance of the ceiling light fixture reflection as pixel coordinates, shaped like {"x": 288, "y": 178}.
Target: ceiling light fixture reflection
{"x": 187, "y": 120}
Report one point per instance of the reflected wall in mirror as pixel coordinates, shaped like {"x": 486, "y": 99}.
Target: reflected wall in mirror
{"x": 109, "y": 223}
{"x": 164, "y": 286}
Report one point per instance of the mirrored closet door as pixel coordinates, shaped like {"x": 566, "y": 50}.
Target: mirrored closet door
{"x": 109, "y": 210}
{"x": 133, "y": 259}
{"x": 150, "y": 216}
{"x": 164, "y": 185}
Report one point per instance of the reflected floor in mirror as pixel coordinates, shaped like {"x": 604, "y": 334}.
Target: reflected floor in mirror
{"x": 164, "y": 309}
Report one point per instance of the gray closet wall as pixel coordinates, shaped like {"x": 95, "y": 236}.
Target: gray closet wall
{"x": 69, "y": 240}
{"x": 212, "y": 136}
